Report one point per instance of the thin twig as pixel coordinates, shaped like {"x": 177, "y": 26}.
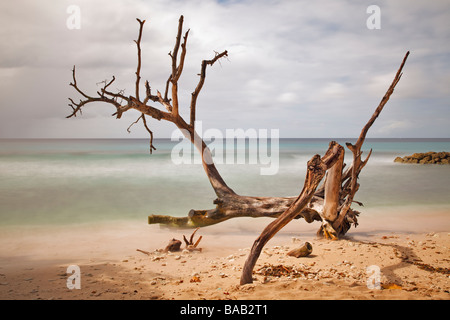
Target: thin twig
{"x": 143, "y": 251}
{"x": 142, "y": 116}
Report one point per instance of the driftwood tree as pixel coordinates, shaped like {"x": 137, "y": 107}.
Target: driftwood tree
{"x": 330, "y": 204}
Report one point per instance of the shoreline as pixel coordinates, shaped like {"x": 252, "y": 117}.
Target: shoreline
{"x": 34, "y": 261}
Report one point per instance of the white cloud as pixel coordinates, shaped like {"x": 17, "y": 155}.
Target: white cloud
{"x": 288, "y": 60}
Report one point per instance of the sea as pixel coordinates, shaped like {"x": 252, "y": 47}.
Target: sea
{"x": 78, "y": 181}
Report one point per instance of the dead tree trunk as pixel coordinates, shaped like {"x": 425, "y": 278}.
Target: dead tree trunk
{"x": 316, "y": 170}
{"x": 332, "y": 195}
{"x": 335, "y": 208}
{"x": 331, "y": 203}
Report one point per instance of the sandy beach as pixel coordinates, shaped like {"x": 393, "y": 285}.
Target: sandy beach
{"x": 34, "y": 262}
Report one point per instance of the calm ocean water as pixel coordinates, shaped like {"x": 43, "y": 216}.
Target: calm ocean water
{"x": 52, "y": 182}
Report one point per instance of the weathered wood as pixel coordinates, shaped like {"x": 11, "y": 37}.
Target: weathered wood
{"x": 330, "y": 204}
{"x": 143, "y": 251}
{"x": 303, "y": 251}
{"x": 173, "y": 246}
{"x": 339, "y": 224}
{"x": 190, "y": 245}
{"x": 332, "y": 190}
{"x": 236, "y": 206}
{"x": 316, "y": 169}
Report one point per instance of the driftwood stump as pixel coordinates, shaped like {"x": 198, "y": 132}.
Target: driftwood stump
{"x": 303, "y": 251}
{"x": 317, "y": 167}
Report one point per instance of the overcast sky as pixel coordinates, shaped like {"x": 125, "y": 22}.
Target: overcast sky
{"x": 307, "y": 68}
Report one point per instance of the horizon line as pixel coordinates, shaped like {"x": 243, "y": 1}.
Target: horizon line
{"x": 315, "y": 138}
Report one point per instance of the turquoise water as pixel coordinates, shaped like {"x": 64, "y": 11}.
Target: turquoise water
{"x": 51, "y": 182}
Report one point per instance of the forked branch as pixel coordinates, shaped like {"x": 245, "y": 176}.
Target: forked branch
{"x": 177, "y": 69}
{"x": 142, "y": 117}
{"x": 103, "y": 96}
{"x": 358, "y": 164}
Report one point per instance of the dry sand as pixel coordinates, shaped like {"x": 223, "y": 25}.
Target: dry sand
{"x": 34, "y": 261}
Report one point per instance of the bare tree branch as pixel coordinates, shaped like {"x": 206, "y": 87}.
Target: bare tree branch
{"x": 176, "y": 48}
{"x": 317, "y": 167}
{"x": 76, "y": 107}
{"x": 166, "y": 92}
{"x": 171, "y": 105}
{"x": 199, "y": 87}
{"x": 356, "y": 150}
{"x": 309, "y": 205}
{"x": 179, "y": 69}
{"x": 149, "y": 95}
{"x": 142, "y": 116}
{"x": 150, "y": 133}
{"x": 138, "y": 44}
{"x": 174, "y": 77}
{"x": 380, "y": 107}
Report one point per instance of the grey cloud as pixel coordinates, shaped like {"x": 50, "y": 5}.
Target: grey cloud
{"x": 309, "y": 68}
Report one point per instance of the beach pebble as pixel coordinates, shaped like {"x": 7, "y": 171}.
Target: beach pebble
{"x": 177, "y": 257}
{"x": 157, "y": 258}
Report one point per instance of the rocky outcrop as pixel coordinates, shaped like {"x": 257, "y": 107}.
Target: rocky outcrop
{"x": 426, "y": 158}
